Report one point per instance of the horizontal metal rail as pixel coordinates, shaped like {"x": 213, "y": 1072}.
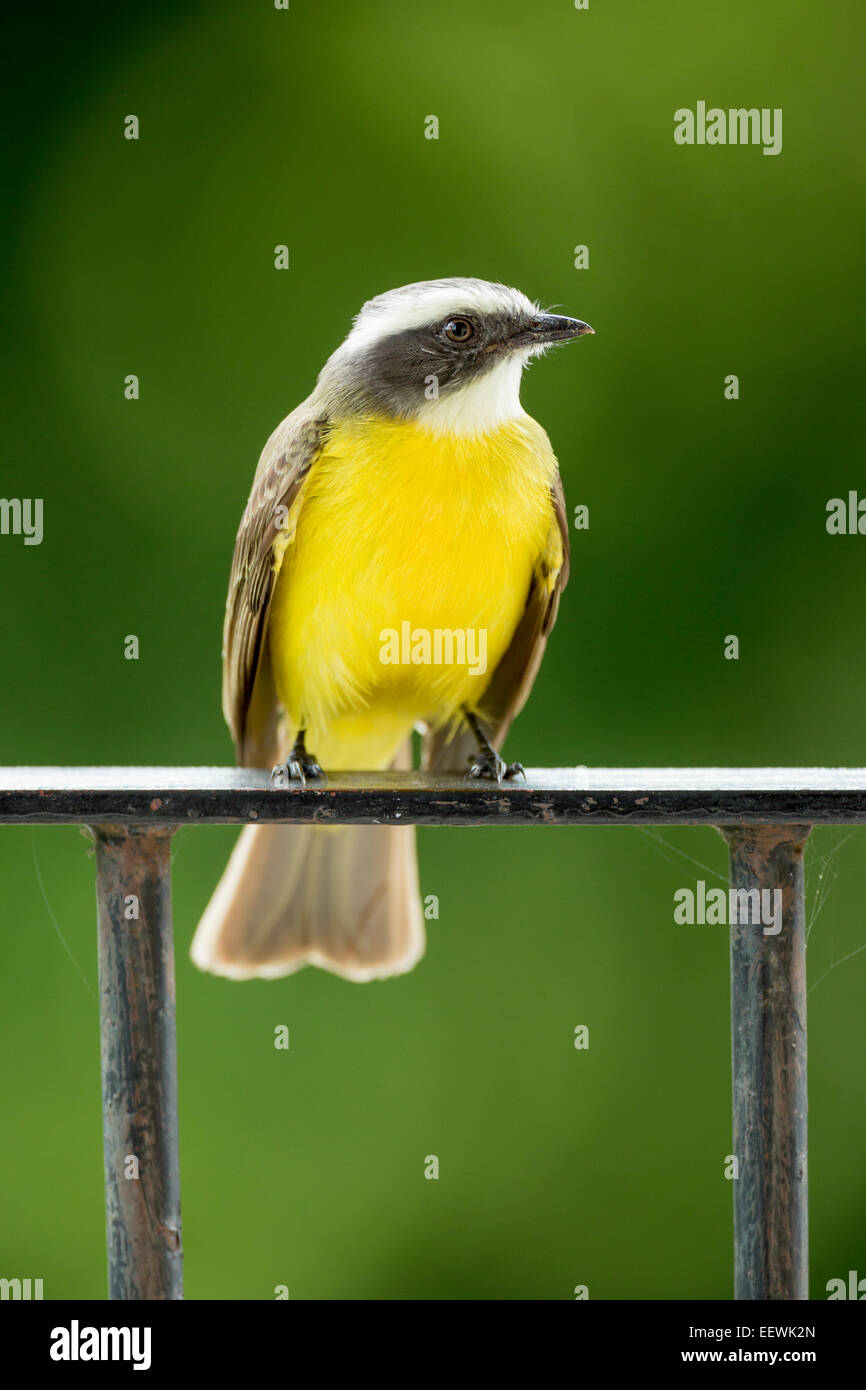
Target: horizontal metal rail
{"x": 549, "y": 796}
{"x": 766, "y": 814}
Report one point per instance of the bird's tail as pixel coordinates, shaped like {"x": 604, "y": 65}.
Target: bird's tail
{"x": 343, "y": 898}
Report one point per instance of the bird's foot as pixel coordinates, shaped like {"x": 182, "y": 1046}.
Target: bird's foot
{"x": 303, "y": 765}
{"x": 300, "y": 768}
{"x": 487, "y": 766}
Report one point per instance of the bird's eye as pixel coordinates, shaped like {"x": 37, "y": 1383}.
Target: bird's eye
{"x": 459, "y": 330}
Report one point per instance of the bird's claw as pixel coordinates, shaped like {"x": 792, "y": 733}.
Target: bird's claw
{"x": 491, "y": 768}
{"x": 299, "y": 769}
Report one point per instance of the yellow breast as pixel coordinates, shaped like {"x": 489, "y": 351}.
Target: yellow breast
{"x": 399, "y": 532}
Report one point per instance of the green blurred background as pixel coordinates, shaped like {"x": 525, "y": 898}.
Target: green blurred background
{"x": 306, "y": 127}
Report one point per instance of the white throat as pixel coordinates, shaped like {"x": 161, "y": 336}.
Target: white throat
{"x": 480, "y": 406}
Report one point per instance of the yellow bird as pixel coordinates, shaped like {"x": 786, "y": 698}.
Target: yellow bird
{"x": 398, "y": 566}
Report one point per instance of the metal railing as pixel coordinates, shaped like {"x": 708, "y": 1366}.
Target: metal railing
{"x": 765, "y": 813}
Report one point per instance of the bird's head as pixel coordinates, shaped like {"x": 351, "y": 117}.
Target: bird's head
{"x": 447, "y": 353}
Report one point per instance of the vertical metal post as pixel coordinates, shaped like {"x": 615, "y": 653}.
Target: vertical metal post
{"x": 139, "y": 1062}
{"x": 768, "y": 1031}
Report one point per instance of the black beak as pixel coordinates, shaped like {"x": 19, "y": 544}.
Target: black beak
{"x": 553, "y": 328}
{"x": 541, "y": 330}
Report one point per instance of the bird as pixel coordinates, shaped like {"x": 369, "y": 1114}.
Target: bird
{"x": 409, "y": 495}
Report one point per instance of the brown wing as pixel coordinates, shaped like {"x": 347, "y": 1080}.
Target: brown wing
{"x": 512, "y": 680}
{"x": 249, "y": 695}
